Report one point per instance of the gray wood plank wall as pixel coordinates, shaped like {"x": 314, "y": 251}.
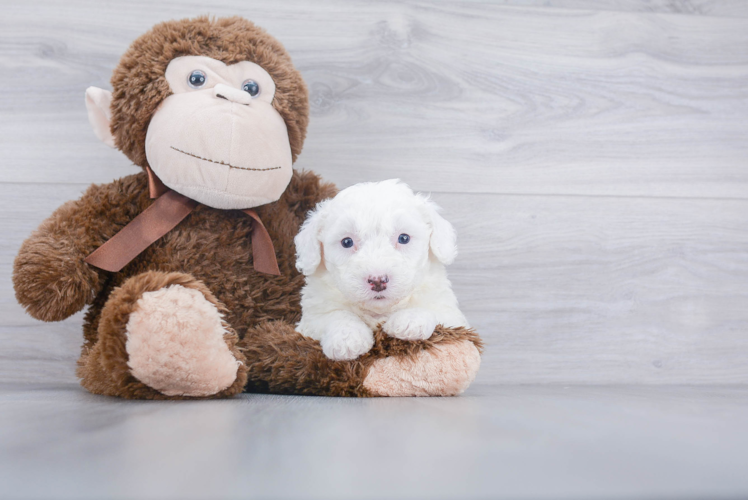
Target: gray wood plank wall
{"x": 593, "y": 156}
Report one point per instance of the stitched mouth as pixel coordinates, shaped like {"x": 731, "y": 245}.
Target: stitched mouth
{"x": 224, "y": 163}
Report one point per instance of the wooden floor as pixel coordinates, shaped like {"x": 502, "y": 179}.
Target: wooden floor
{"x": 498, "y": 441}
{"x": 593, "y": 157}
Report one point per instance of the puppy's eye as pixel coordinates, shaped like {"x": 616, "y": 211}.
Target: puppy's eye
{"x": 197, "y": 79}
{"x": 346, "y": 242}
{"x": 403, "y": 239}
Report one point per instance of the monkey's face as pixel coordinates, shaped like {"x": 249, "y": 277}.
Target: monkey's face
{"x": 218, "y": 139}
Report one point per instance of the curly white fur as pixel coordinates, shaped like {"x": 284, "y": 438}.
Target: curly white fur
{"x": 378, "y": 279}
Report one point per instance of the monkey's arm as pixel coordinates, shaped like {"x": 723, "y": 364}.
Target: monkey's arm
{"x": 50, "y": 277}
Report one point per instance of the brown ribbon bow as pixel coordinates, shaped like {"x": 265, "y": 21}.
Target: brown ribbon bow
{"x": 169, "y": 209}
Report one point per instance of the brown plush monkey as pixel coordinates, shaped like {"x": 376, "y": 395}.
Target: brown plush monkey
{"x": 215, "y": 114}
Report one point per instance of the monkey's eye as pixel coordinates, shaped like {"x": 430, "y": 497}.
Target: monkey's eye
{"x": 197, "y": 79}
{"x": 346, "y": 242}
{"x": 403, "y": 239}
{"x": 251, "y": 87}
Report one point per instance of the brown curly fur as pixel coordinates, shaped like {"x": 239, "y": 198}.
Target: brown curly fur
{"x": 209, "y": 251}
{"x": 77, "y": 228}
{"x": 139, "y": 84}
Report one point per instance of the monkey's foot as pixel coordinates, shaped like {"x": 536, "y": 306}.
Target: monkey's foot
{"x": 175, "y": 344}
{"x": 161, "y": 336}
{"x": 443, "y": 370}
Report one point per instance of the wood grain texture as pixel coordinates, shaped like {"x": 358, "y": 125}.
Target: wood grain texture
{"x": 722, "y": 8}
{"x": 461, "y": 97}
{"x": 601, "y": 289}
{"x": 592, "y": 156}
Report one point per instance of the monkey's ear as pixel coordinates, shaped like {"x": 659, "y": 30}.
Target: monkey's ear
{"x": 308, "y": 244}
{"x": 443, "y": 239}
{"x": 98, "y": 105}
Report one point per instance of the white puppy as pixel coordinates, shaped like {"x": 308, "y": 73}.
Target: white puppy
{"x": 375, "y": 254}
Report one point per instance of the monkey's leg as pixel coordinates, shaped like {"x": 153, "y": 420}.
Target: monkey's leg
{"x": 161, "y": 336}
{"x": 281, "y": 360}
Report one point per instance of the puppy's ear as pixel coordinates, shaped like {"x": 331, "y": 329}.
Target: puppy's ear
{"x": 308, "y": 244}
{"x": 443, "y": 240}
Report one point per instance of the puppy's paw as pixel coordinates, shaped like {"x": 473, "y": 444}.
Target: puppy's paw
{"x": 347, "y": 340}
{"x": 411, "y": 324}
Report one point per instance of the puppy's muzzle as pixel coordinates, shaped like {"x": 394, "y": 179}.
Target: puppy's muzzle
{"x": 378, "y": 283}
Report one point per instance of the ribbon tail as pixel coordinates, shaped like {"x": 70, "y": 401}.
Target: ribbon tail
{"x": 156, "y": 188}
{"x": 155, "y": 221}
{"x": 263, "y": 252}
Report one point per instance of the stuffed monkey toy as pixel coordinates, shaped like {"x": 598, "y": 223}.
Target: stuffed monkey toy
{"x": 188, "y": 268}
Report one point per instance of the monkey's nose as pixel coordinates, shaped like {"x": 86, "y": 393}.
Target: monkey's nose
{"x": 222, "y": 91}
{"x": 378, "y": 283}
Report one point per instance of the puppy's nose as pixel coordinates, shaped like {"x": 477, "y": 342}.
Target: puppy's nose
{"x": 378, "y": 283}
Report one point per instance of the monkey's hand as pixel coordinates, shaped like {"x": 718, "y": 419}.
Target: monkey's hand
{"x": 50, "y": 277}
